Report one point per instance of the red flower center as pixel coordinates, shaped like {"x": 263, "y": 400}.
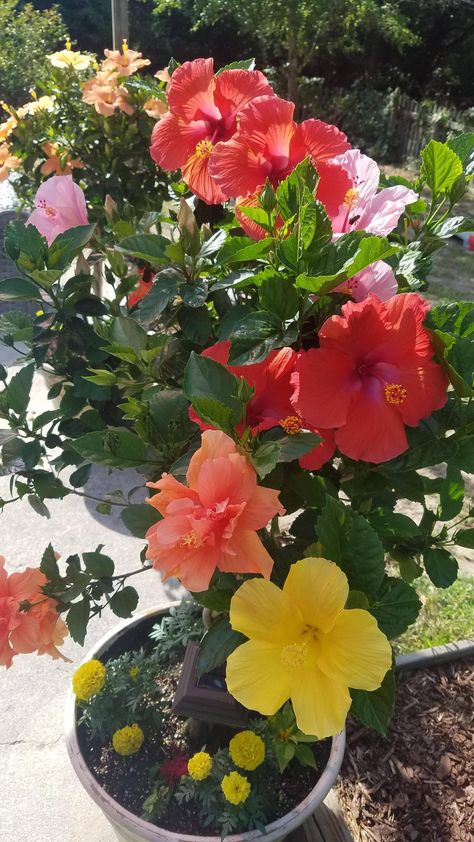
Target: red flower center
{"x": 292, "y": 425}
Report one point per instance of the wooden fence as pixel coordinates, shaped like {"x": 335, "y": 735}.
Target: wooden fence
{"x": 411, "y": 124}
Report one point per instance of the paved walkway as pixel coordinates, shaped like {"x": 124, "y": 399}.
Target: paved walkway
{"x": 41, "y": 799}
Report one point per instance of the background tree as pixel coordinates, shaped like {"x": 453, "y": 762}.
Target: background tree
{"x": 27, "y": 35}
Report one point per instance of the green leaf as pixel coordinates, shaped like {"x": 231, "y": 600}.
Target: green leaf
{"x": 139, "y": 517}
{"x": 164, "y": 290}
{"x": 217, "y": 644}
{"x": 357, "y": 599}
{"x": 453, "y": 225}
{"x": 49, "y": 565}
{"x": 25, "y": 245}
{"x": 254, "y": 337}
{"x": 205, "y": 378}
{"x": 348, "y": 539}
{"x": 18, "y": 390}
{"x": 215, "y": 599}
{"x": 305, "y": 756}
{"x": 463, "y": 146}
{"x": 292, "y": 447}
{"x": 279, "y": 296}
{"x": 245, "y": 64}
{"x": 339, "y": 261}
{"x": 77, "y": 619}
{"x": 98, "y": 565}
{"x": 465, "y": 538}
{"x": 126, "y": 332}
{"x": 31, "y": 454}
{"x": 19, "y": 288}
{"x": 67, "y": 246}
{"x": 265, "y": 458}
{"x": 215, "y": 413}
{"x": 80, "y": 477}
{"x": 393, "y": 524}
{"x": 149, "y": 247}
{"x": 284, "y": 752}
{"x": 440, "y": 167}
{"x": 196, "y": 324}
{"x": 451, "y": 496}
{"x": 397, "y": 607}
{"x": 375, "y": 709}
{"x": 115, "y": 447}
{"x": 124, "y": 602}
{"x": 441, "y": 566}
{"x": 237, "y": 249}
{"x": 38, "y": 506}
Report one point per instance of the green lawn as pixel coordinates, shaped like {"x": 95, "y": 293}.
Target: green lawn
{"x": 446, "y": 616}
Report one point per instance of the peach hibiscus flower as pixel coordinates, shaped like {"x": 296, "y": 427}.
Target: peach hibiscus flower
{"x": 39, "y": 628}
{"x": 8, "y": 161}
{"x": 105, "y": 94}
{"x": 7, "y": 127}
{"x": 59, "y": 161}
{"x": 155, "y": 108}
{"x": 211, "y": 523}
{"x": 125, "y": 62}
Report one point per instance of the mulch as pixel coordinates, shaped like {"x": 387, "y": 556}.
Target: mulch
{"x": 417, "y": 783}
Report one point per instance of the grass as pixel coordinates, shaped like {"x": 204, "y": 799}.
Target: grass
{"x": 446, "y": 616}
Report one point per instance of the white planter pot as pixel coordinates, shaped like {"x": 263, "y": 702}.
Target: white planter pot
{"x": 130, "y": 828}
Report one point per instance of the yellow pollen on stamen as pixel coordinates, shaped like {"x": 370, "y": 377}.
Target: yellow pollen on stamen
{"x": 51, "y": 212}
{"x": 204, "y": 148}
{"x": 351, "y": 198}
{"x": 68, "y": 44}
{"x": 292, "y": 425}
{"x": 124, "y": 46}
{"x": 395, "y": 393}
{"x": 294, "y": 656}
{"x": 190, "y": 540}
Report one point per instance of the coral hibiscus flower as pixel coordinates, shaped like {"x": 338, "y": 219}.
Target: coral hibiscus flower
{"x": 203, "y": 110}
{"x": 270, "y": 144}
{"x": 348, "y": 188}
{"x": 211, "y": 523}
{"x": 39, "y": 629}
{"x": 305, "y": 646}
{"x": 271, "y": 404}
{"x": 372, "y": 374}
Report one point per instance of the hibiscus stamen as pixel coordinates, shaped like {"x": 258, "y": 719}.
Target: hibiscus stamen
{"x": 191, "y": 540}
{"x": 351, "y": 198}
{"x": 51, "y": 212}
{"x": 395, "y": 393}
{"x": 204, "y": 148}
{"x": 294, "y": 656}
{"x": 292, "y": 425}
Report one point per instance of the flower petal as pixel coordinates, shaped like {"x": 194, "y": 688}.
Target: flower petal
{"x": 321, "y": 704}
{"x": 245, "y": 553}
{"x": 318, "y": 588}
{"x": 374, "y": 430}
{"x": 191, "y": 90}
{"x": 324, "y": 383}
{"x": 237, "y": 168}
{"x": 333, "y": 184}
{"x": 236, "y": 88}
{"x": 196, "y": 174}
{"x": 322, "y": 140}
{"x": 381, "y": 214}
{"x": 319, "y": 455}
{"x": 261, "y": 507}
{"x": 262, "y": 611}
{"x": 255, "y": 677}
{"x": 355, "y": 651}
{"x": 226, "y": 479}
{"x": 214, "y": 443}
{"x": 173, "y": 141}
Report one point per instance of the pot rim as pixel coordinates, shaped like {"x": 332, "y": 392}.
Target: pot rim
{"x": 122, "y": 817}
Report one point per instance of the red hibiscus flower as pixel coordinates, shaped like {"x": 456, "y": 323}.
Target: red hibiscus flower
{"x": 372, "y": 374}
{"x": 270, "y": 144}
{"x": 203, "y": 110}
{"x": 144, "y": 286}
{"x": 271, "y": 405}
{"x": 173, "y": 769}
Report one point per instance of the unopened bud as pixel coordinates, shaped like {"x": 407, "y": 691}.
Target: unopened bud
{"x": 267, "y": 197}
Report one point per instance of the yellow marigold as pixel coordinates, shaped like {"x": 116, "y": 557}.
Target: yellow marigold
{"x": 235, "y": 787}
{"x": 128, "y": 740}
{"x": 134, "y": 672}
{"x": 89, "y": 679}
{"x": 247, "y": 750}
{"x": 200, "y": 765}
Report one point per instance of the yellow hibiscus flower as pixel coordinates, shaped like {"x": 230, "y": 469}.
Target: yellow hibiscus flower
{"x": 305, "y": 646}
{"x": 70, "y": 59}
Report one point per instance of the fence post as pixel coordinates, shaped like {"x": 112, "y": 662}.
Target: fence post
{"x": 120, "y": 28}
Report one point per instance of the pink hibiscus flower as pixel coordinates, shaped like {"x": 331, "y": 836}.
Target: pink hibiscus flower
{"x": 348, "y": 189}
{"x": 270, "y": 144}
{"x": 372, "y": 374}
{"x": 60, "y": 204}
{"x": 377, "y": 279}
{"x": 271, "y": 404}
{"x": 203, "y": 110}
{"x": 211, "y": 523}
{"x": 40, "y": 628}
